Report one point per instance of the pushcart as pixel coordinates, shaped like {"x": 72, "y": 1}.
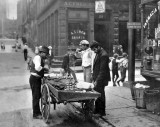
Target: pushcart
{"x": 58, "y": 90}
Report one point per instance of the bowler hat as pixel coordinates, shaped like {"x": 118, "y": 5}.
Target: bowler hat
{"x": 44, "y": 49}
{"x": 94, "y": 44}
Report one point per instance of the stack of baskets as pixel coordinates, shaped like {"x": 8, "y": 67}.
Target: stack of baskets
{"x": 147, "y": 98}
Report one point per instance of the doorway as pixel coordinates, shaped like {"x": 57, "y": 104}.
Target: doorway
{"x": 123, "y": 35}
{"x": 102, "y": 35}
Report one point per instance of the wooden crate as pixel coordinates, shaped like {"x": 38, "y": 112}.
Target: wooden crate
{"x": 139, "y": 97}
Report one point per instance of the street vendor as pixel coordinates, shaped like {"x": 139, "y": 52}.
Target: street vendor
{"x": 37, "y": 73}
{"x": 101, "y": 76}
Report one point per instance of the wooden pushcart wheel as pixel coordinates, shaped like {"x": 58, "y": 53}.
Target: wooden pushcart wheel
{"x": 45, "y": 102}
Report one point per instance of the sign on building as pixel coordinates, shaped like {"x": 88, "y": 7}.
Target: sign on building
{"x": 133, "y": 25}
{"x": 100, "y": 6}
{"x": 147, "y": 1}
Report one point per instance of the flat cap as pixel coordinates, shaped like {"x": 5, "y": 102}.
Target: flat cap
{"x": 84, "y": 42}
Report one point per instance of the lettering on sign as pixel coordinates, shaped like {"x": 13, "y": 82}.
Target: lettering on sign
{"x": 100, "y": 7}
{"x": 78, "y": 4}
{"x": 78, "y": 34}
{"x": 146, "y": 1}
{"x": 133, "y": 25}
{"x": 157, "y": 32}
{"x": 155, "y": 43}
{"x": 149, "y": 17}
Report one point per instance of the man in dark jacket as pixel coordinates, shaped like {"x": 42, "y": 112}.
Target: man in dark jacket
{"x": 101, "y": 75}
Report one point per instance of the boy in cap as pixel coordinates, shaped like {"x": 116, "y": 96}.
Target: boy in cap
{"x": 68, "y": 60}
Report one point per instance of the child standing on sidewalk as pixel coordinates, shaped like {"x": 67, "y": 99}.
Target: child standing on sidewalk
{"x": 115, "y": 74}
{"x": 123, "y": 65}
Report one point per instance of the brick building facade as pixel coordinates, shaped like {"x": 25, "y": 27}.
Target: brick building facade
{"x": 63, "y": 23}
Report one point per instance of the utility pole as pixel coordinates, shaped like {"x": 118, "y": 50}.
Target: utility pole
{"x": 131, "y": 45}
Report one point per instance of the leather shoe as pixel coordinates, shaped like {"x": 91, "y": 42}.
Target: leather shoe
{"x": 37, "y": 117}
{"x": 103, "y": 114}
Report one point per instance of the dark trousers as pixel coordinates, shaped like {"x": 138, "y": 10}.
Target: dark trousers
{"x": 100, "y": 102}
{"x": 123, "y": 74}
{"x": 115, "y": 75}
{"x": 25, "y": 55}
{"x": 35, "y": 84}
{"x": 70, "y": 71}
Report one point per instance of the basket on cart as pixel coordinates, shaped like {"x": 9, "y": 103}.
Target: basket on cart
{"x": 152, "y": 99}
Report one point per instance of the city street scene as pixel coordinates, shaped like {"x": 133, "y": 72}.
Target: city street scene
{"x": 79, "y": 63}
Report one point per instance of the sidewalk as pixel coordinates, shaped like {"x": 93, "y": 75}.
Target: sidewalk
{"x": 122, "y": 112}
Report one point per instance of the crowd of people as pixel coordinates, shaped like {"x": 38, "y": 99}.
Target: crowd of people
{"x": 96, "y": 70}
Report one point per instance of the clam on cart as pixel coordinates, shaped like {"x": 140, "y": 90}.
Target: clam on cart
{"x": 58, "y": 89}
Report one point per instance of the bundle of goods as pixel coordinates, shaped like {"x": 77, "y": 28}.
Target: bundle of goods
{"x": 84, "y": 85}
{"x": 59, "y": 82}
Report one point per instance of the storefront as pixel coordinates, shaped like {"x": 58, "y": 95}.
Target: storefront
{"x": 64, "y": 23}
{"x": 110, "y": 27}
{"x": 150, "y": 40}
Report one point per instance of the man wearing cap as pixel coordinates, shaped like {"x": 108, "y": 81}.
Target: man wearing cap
{"x": 86, "y": 55}
{"x": 37, "y": 72}
{"x": 101, "y": 75}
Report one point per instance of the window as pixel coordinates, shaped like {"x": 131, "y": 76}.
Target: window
{"x": 77, "y": 32}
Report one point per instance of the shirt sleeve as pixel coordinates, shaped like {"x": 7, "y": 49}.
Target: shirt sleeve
{"x": 37, "y": 62}
{"x": 118, "y": 61}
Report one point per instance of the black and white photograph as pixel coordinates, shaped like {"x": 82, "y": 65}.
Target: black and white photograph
{"x": 80, "y": 63}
